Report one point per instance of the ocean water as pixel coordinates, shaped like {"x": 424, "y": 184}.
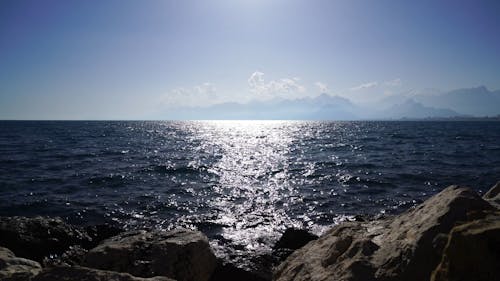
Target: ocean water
{"x": 240, "y": 182}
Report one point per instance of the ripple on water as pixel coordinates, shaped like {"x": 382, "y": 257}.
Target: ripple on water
{"x": 240, "y": 182}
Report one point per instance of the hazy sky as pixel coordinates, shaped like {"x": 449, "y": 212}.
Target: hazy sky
{"x": 130, "y": 59}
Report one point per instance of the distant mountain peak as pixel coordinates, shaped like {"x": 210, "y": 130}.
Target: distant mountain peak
{"x": 475, "y": 101}
{"x": 324, "y": 96}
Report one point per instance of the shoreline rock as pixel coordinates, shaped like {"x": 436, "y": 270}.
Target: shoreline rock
{"x": 13, "y": 268}
{"x": 452, "y": 236}
{"x": 294, "y": 239}
{"x": 405, "y": 247}
{"x": 493, "y": 195}
{"x": 230, "y": 272}
{"x": 291, "y": 240}
{"x": 38, "y": 237}
{"x": 74, "y": 273}
{"x": 178, "y": 254}
{"x": 472, "y": 251}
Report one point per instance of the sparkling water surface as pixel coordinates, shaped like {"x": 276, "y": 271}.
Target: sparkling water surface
{"x": 240, "y": 182}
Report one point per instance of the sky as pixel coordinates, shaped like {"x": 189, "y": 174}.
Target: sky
{"x": 133, "y": 59}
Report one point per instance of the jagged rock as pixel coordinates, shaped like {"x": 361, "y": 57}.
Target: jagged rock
{"x": 342, "y": 253}
{"x": 38, "y": 237}
{"x": 77, "y": 273}
{"x": 406, "y": 247}
{"x": 13, "y": 268}
{"x": 493, "y": 195}
{"x": 472, "y": 252}
{"x": 178, "y": 254}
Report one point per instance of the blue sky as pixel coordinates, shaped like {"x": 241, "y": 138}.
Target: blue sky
{"x": 132, "y": 59}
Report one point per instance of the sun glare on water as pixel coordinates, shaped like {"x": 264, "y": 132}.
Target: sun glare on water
{"x": 255, "y": 186}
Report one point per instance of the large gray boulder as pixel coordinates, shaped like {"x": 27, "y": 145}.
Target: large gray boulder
{"x": 13, "y": 268}
{"x": 77, "y": 273}
{"x": 472, "y": 252}
{"x": 410, "y": 247}
{"x": 342, "y": 253}
{"x": 178, "y": 254}
{"x": 406, "y": 247}
{"x": 39, "y": 237}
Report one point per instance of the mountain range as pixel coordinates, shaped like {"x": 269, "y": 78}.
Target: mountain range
{"x": 467, "y": 102}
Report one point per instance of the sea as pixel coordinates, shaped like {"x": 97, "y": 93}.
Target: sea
{"x": 242, "y": 183}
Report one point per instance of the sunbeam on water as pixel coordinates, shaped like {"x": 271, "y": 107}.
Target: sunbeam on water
{"x": 240, "y": 182}
{"x": 254, "y": 187}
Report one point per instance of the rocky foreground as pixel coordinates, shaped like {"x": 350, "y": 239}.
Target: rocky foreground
{"x": 455, "y": 235}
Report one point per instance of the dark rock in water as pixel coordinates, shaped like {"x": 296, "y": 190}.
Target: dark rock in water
{"x": 290, "y": 241}
{"x": 229, "y": 272}
{"x": 493, "y": 195}
{"x": 472, "y": 252}
{"x": 360, "y": 218}
{"x": 13, "y": 268}
{"x": 76, "y": 273}
{"x": 294, "y": 239}
{"x": 405, "y": 247}
{"x": 101, "y": 232}
{"x": 38, "y": 237}
{"x": 178, "y": 254}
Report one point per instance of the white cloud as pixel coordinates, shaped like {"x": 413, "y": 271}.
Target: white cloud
{"x": 323, "y": 88}
{"x": 374, "y": 91}
{"x": 285, "y": 87}
{"x": 375, "y": 84}
{"x": 394, "y": 83}
{"x": 256, "y": 80}
{"x": 206, "y": 88}
{"x": 198, "y": 95}
{"x": 365, "y": 86}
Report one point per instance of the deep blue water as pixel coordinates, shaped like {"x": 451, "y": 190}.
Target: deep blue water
{"x": 241, "y": 182}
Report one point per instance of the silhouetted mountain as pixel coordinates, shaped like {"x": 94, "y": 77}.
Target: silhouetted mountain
{"x": 472, "y": 102}
{"x": 477, "y": 101}
{"x": 415, "y": 110}
{"x": 323, "y": 107}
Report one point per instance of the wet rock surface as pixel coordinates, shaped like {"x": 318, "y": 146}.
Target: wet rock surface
{"x": 178, "y": 254}
{"x": 77, "y": 273}
{"x": 13, "y": 268}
